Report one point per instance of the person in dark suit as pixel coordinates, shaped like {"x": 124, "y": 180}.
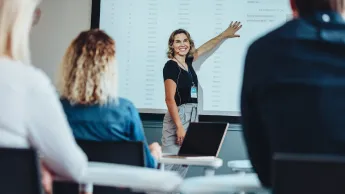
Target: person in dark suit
{"x": 293, "y": 95}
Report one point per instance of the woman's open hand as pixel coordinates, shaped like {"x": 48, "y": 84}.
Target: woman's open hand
{"x": 47, "y": 179}
{"x": 230, "y": 32}
{"x": 156, "y": 150}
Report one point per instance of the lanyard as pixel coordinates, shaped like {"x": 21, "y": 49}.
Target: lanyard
{"x": 191, "y": 76}
{"x": 188, "y": 71}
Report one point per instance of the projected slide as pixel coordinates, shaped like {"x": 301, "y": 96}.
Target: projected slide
{"x": 141, "y": 29}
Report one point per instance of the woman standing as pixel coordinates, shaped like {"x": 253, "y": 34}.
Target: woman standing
{"x": 181, "y": 87}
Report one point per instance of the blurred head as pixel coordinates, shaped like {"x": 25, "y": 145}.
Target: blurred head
{"x": 88, "y": 73}
{"x": 16, "y": 19}
{"x": 180, "y": 43}
{"x": 305, "y": 7}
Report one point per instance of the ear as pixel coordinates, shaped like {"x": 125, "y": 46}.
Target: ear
{"x": 294, "y": 8}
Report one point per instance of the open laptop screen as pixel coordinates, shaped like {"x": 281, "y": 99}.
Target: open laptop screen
{"x": 203, "y": 139}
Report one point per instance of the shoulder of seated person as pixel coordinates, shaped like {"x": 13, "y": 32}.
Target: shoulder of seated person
{"x": 125, "y": 103}
{"x": 121, "y": 107}
{"x": 118, "y": 111}
{"x": 118, "y": 103}
{"x": 32, "y": 77}
{"x": 38, "y": 79}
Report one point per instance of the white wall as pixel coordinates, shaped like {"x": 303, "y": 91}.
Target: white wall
{"x": 61, "y": 22}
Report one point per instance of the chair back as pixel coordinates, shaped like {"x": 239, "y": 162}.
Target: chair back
{"x": 301, "y": 174}
{"x": 118, "y": 152}
{"x": 19, "y": 171}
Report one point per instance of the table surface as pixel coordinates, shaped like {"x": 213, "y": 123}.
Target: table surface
{"x": 137, "y": 178}
{"x": 240, "y": 164}
{"x": 193, "y": 161}
{"x": 223, "y": 183}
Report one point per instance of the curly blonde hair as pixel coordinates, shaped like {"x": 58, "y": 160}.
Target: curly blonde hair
{"x": 171, "y": 51}
{"x": 88, "y": 72}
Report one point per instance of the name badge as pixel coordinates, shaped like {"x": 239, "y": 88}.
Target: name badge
{"x": 194, "y": 92}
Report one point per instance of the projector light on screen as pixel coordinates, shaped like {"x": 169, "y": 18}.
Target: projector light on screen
{"x": 141, "y": 29}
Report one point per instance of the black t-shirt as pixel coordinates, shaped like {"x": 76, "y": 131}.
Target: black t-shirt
{"x": 184, "y": 80}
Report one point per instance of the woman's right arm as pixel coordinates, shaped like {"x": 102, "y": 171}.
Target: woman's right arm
{"x": 152, "y": 152}
{"x": 50, "y": 133}
{"x": 170, "y": 89}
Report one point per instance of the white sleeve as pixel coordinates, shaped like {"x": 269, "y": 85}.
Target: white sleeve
{"x": 50, "y": 133}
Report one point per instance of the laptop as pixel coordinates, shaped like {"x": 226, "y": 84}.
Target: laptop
{"x": 202, "y": 140}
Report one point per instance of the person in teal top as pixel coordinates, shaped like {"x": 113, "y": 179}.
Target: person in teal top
{"x": 88, "y": 89}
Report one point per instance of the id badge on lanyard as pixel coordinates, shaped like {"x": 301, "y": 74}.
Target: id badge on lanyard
{"x": 194, "y": 92}
{"x": 193, "y": 89}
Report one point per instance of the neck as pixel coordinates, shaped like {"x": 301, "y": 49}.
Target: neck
{"x": 180, "y": 58}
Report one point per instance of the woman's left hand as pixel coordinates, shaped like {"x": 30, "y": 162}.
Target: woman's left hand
{"x": 47, "y": 179}
{"x": 230, "y": 32}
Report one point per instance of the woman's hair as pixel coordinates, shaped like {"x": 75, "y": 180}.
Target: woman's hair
{"x": 310, "y": 6}
{"x": 88, "y": 72}
{"x": 171, "y": 51}
{"x": 16, "y": 17}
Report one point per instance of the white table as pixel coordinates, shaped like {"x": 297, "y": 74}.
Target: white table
{"x": 210, "y": 164}
{"x": 135, "y": 178}
{"x": 242, "y": 166}
{"x": 222, "y": 184}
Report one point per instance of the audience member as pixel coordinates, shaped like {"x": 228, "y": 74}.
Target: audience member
{"x": 31, "y": 115}
{"x": 88, "y": 88}
{"x": 293, "y": 95}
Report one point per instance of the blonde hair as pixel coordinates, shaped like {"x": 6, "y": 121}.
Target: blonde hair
{"x": 16, "y": 17}
{"x": 171, "y": 51}
{"x": 88, "y": 69}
